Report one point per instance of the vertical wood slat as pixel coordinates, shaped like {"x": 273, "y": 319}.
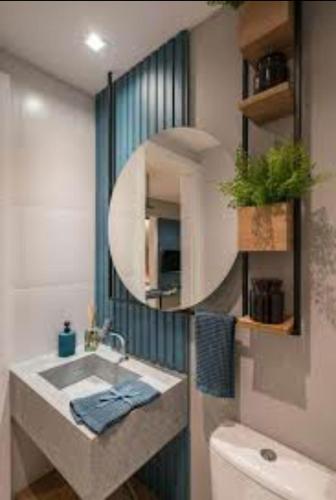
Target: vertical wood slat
{"x": 161, "y": 88}
{"x": 150, "y": 97}
{"x": 169, "y": 84}
{"x": 101, "y": 178}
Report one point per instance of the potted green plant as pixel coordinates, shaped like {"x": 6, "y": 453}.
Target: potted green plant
{"x": 263, "y": 190}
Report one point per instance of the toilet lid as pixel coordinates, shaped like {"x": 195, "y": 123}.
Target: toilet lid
{"x": 291, "y": 475}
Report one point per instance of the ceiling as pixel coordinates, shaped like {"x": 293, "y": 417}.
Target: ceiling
{"x": 168, "y": 191}
{"x": 50, "y": 34}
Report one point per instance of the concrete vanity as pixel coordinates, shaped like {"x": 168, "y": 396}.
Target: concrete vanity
{"x": 95, "y": 466}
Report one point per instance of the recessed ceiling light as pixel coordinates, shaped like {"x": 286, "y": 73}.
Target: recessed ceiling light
{"x": 33, "y": 105}
{"x": 95, "y": 42}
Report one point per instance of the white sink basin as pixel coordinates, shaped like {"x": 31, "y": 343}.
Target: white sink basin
{"x": 95, "y": 466}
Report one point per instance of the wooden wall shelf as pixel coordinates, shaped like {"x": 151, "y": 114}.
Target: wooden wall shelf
{"x": 265, "y": 26}
{"x": 284, "y": 328}
{"x": 269, "y": 105}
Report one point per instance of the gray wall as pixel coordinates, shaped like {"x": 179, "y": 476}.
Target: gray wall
{"x": 285, "y": 385}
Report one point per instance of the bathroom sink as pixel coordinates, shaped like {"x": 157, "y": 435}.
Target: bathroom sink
{"x": 95, "y": 466}
{"x": 88, "y": 374}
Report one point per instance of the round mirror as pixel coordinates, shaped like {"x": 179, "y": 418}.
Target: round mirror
{"x": 172, "y": 235}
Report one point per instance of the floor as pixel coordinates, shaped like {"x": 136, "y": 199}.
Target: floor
{"x": 53, "y": 487}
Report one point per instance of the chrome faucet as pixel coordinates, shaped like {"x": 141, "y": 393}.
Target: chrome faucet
{"x": 107, "y": 335}
{"x": 122, "y": 349}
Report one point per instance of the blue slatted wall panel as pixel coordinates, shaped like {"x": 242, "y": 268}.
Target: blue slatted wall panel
{"x": 151, "y": 97}
{"x": 167, "y": 473}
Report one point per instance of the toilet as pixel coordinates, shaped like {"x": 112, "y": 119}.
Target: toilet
{"x": 246, "y": 465}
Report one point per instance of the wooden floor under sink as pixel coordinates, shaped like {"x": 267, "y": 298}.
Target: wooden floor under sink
{"x": 52, "y": 486}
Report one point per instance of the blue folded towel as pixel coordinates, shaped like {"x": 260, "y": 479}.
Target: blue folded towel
{"x": 215, "y": 352}
{"x": 102, "y": 410}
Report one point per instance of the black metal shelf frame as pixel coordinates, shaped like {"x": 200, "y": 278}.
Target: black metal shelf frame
{"x": 297, "y": 135}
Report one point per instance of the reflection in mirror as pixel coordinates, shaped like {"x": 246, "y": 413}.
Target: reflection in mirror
{"x": 172, "y": 235}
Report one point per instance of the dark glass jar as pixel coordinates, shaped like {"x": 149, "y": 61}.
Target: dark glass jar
{"x": 256, "y": 81}
{"x": 270, "y": 71}
{"x": 254, "y": 300}
{"x": 265, "y": 300}
{"x": 259, "y": 300}
{"x": 277, "y": 301}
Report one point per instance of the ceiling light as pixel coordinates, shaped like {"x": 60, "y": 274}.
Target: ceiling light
{"x": 95, "y": 42}
{"x": 33, "y": 105}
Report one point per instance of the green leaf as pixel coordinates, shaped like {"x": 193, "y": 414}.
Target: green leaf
{"x": 283, "y": 173}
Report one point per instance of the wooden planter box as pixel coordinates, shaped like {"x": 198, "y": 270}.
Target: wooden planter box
{"x": 267, "y": 228}
{"x": 264, "y": 26}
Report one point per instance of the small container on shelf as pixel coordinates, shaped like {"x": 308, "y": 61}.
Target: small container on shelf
{"x": 271, "y": 70}
{"x": 267, "y": 301}
{"x": 277, "y": 302}
{"x": 257, "y": 303}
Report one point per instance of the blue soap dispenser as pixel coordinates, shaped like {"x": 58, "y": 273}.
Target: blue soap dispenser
{"x": 66, "y": 341}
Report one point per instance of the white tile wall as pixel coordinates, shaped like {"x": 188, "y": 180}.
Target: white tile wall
{"x": 51, "y": 247}
{"x": 52, "y": 166}
{"x": 39, "y": 313}
{"x": 47, "y": 185}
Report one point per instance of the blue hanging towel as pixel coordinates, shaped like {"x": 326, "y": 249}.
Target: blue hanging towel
{"x": 104, "y": 409}
{"x": 215, "y": 354}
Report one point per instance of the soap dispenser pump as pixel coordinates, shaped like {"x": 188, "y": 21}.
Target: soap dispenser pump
{"x": 66, "y": 341}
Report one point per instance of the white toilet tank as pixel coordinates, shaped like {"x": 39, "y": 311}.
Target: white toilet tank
{"x": 241, "y": 471}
